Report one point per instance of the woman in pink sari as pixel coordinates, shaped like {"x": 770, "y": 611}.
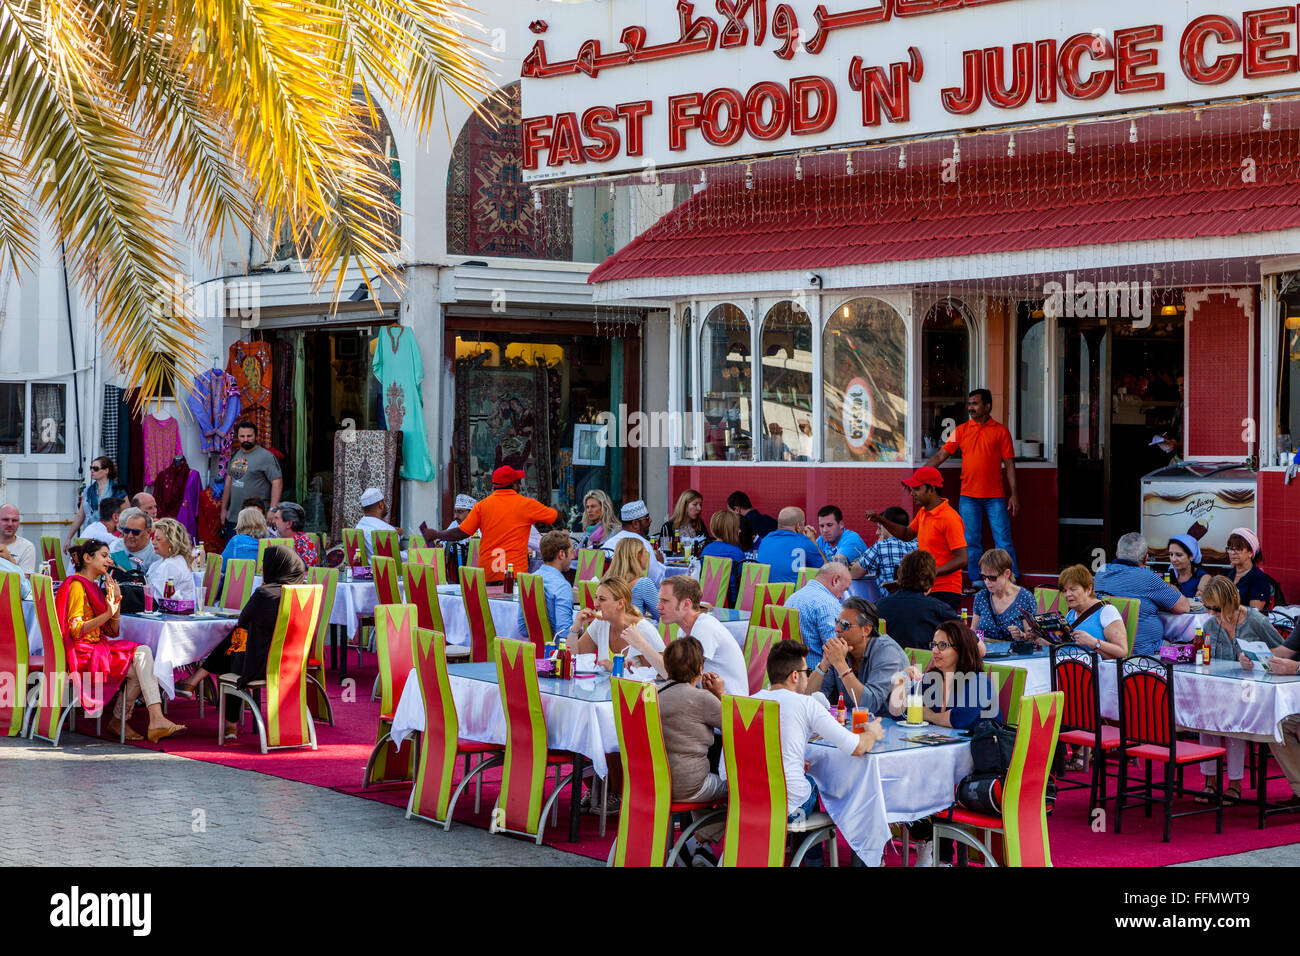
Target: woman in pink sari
{"x": 89, "y": 617}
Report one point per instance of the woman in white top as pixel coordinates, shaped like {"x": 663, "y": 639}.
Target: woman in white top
{"x": 172, "y": 543}
{"x": 602, "y": 631}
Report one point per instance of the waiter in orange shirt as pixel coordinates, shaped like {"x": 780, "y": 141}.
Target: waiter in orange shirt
{"x": 985, "y": 447}
{"x": 937, "y": 529}
{"x": 504, "y": 518}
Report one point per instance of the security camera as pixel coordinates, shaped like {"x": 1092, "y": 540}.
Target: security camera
{"x": 814, "y": 280}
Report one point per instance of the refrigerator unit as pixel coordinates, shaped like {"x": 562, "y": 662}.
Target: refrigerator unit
{"x": 1203, "y": 499}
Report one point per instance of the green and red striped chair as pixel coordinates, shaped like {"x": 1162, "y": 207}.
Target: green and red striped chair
{"x": 238, "y": 586}
{"x": 265, "y": 543}
{"x": 317, "y": 695}
{"x": 1009, "y": 685}
{"x": 354, "y": 548}
{"x": 387, "y": 574}
{"x": 471, "y": 551}
{"x": 482, "y": 629}
{"x": 715, "y": 577}
{"x": 763, "y": 596}
{"x": 805, "y": 575}
{"x": 395, "y": 631}
{"x": 422, "y": 591}
{"x": 532, "y": 601}
{"x": 587, "y": 594}
{"x": 784, "y": 619}
{"x": 645, "y": 818}
{"x": 1050, "y": 600}
{"x": 435, "y": 558}
{"x": 52, "y": 701}
{"x": 52, "y": 550}
{"x": 591, "y": 564}
{"x": 756, "y": 794}
{"x": 758, "y": 644}
{"x": 1129, "y": 609}
{"x": 1021, "y": 828}
{"x": 211, "y": 578}
{"x": 752, "y": 574}
{"x": 669, "y": 632}
{"x": 14, "y": 655}
{"x": 387, "y": 544}
{"x": 431, "y": 797}
{"x": 522, "y": 806}
{"x": 288, "y": 721}
{"x": 921, "y": 658}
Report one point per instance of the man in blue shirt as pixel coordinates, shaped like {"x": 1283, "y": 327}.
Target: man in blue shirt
{"x": 789, "y": 549}
{"x": 557, "y": 552}
{"x": 818, "y": 604}
{"x": 836, "y": 541}
{"x": 1127, "y": 576}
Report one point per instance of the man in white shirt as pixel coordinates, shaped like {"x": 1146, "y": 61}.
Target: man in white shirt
{"x": 679, "y": 603}
{"x": 636, "y": 524}
{"x": 373, "y": 509}
{"x": 21, "y": 551}
{"x": 105, "y": 529}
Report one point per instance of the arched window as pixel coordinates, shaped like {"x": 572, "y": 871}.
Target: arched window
{"x": 685, "y": 398}
{"x": 945, "y": 371}
{"x": 786, "y": 357}
{"x": 725, "y": 379}
{"x": 864, "y": 371}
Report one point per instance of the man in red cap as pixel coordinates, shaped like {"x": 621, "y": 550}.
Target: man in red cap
{"x": 505, "y": 518}
{"x": 937, "y": 529}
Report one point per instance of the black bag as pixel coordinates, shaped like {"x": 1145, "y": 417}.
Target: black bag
{"x": 991, "y": 747}
{"x": 132, "y": 584}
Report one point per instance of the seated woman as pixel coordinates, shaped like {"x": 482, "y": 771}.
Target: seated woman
{"x": 630, "y": 564}
{"x": 725, "y": 528}
{"x": 602, "y": 630}
{"x": 1254, "y": 586}
{"x": 250, "y": 528}
{"x": 686, "y": 520}
{"x": 1185, "y": 561}
{"x": 956, "y": 690}
{"x": 1092, "y": 622}
{"x": 1001, "y": 602}
{"x": 245, "y": 650}
{"x": 88, "y": 616}
{"x": 598, "y": 520}
{"x": 172, "y": 544}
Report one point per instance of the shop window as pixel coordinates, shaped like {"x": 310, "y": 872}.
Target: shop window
{"x": 864, "y": 351}
{"x": 1031, "y": 358}
{"x": 786, "y": 362}
{"x": 684, "y": 404}
{"x": 33, "y": 418}
{"x": 13, "y": 397}
{"x": 1288, "y": 394}
{"x": 725, "y": 375}
{"x": 945, "y": 372}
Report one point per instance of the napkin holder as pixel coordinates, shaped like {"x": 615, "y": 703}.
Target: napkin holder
{"x": 361, "y": 572}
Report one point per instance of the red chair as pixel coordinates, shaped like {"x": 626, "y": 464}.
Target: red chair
{"x": 758, "y": 644}
{"x": 482, "y": 629}
{"x": 388, "y": 578}
{"x": 14, "y": 656}
{"x": 432, "y": 798}
{"x": 645, "y": 818}
{"x": 394, "y": 632}
{"x": 1148, "y": 729}
{"x": 752, "y": 574}
{"x": 757, "y": 823}
{"x": 1074, "y": 673}
{"x": 387, "y": 545}
{"x": 57, "y": 694}
{"x": 1022, "y": 825}
{"x": 715, "y": 578}
{"x": 532, "y": 601}
{"x": 784, "y": 619}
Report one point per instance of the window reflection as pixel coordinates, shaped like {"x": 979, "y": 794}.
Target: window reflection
{"x": 865, "y": 392}
{"x": 1030, "y": 372}
{"x": 725, "y": 378}
{"x": 685, "y": 398}
{"x": 787, "y": 384}
{"x": 945, "y": 372}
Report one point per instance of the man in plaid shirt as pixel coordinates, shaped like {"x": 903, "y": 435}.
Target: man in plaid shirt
{"x": 882, "y": 558}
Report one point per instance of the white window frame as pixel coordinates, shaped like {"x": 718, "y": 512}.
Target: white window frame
{"x": 973, "y": 311}
{"x": 26, "y": 456}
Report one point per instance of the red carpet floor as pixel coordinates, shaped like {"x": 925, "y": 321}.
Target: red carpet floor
{"x": 343, "y": 749}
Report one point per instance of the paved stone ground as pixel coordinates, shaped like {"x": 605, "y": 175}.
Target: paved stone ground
{"x": 65, "y": 807}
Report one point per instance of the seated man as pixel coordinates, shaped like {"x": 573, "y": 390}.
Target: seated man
{"x": 9, "y": 566}
{"x": 137, "y": 535}
{"x": 146, "y": 503}
{"x": 1128, "y": 576}
{"x": 911, "y": 615}
{"x": 636, "y": 524}
{"x": 818, "y": 604}
{"x": 460, "y": 510}
{"x": 105, "y": 529}
{"x": 789, "y": 549}
{"x": 860, "y": 664}
{"x": 557, "y": 554}
{"x": 836, "y": 542}
{"x": 22, "y": 552}
{"x": 679, "y": 603}
{"x": 373, "y": 510}
{"x": 752, "y": 520}
{"x": 881, "y": 560}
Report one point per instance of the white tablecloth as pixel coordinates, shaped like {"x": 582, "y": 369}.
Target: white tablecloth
{"x": 504, "y": 611}
{"x": 584, "y": 726}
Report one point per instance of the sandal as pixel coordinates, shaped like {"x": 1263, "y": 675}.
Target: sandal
{"x": 1232, "y": 794}
{"x": 1210, "y": 792}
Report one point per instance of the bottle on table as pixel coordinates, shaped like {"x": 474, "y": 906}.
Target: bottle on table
{"x": 1169, "y": 575}
{"x": 563, "y": 661}
{"x": 1198, "y": 645}
{"x": 508, "y": 582}
{"x": 840, "y": 711}
{"x": 965, "y": 616}
{"x": 169, "y": 589}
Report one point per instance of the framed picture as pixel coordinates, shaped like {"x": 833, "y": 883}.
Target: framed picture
{"x": 504, "y": 419}
{"x": 589, "y": 445}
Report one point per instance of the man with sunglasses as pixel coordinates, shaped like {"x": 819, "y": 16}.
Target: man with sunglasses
{"x": 858, "y": 663}
{"x": 137, "y": 535}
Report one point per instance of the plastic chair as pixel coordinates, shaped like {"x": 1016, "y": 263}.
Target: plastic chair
{"x": 318, "y": 697}
{"x": 1022, "y": 825}
{"x": 51, "y": 702}
{"x": 211, "y": 578}
{"x": 532, "y": 601}
{"x": 591, "y": 564}
{"x": 805, "y": 575}
{"x": 758, "y": 644}
{"x": 764, "y": 595}
{"x": 752, "y": 574}
{"x": 387, "y": 544}
{"x": 715, "y": 576}
{"x": 920, "y": 658}
{"x": 645, "y": 818}
{"x": 435, "y": 558}
{"x": 668, "y": 632}
{"x": 471, "y": 551}
{"x": 784, "y": 619}
{"x": 395, "y": 632}
{"x": 14, "y": 655}
{"x": 386, "y": 575}
{"x": 288, "y": 722}
{"x": 431, "y": 797}
{"x": 757, "y": 824}
{"x": 1074, "y": 674}
{"x": 265, "y": 543}
{"x": 520, "y": 807}
{"x": 238, "y": 585}
{"x": 1049, "y": 600}
{"x": 482, "y": 629}
{"x": 52, "y": 550}
{"x": 1129, "y": 609}
{"x": 587, "y": 593}
{"x": 1009, "y": 684}
{"x": 355, "y": 553}
{"x": 1148, "y": 728}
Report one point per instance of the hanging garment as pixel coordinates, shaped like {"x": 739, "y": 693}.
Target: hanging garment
{"x": 169, "y": 488}
{"x": 400, "y": 371}
{"x": 123, "y": 434}
{"x": 215, "y": 404}
{"x": 210, "y": 521}
{"x": 189, "y": 513}
{"x": 250, "y": 364}
{"x": 162, "y": 443}
{"x": 367, "y": 459}
{"x": 298, "y": 402}
{"x": 110, "y": 420}
{"x": 135, "y": 463}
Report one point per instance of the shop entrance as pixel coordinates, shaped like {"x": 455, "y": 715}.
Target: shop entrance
{"x": 1118, "y": 388}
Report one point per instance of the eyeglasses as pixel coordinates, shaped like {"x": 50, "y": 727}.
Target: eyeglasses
{"x": 133, "y": 531}
{"x": 989, "y": 577}
{"x": 1235, "y": 547}
{"x": 99, "y": 467}
{"x": 939, "y": 645}
{"x": 1213, "y": 610}
{"x": 806, "y": 671}
{"x": 844, "y": 625}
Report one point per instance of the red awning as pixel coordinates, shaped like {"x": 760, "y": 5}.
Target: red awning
{"x": 1187, "y": 189}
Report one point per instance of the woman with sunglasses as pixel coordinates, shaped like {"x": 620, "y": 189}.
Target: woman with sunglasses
{"x": 955, "y": 689}
{"x": 858, "y": 662}
{"x": 1001, "y": 602}
{"x": 103, "y": 484}
{"x": 1254, "y": 586}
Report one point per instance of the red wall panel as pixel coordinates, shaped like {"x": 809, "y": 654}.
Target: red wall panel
{"x": 1277, "y": 510}
{"x": 1219, "y": 361}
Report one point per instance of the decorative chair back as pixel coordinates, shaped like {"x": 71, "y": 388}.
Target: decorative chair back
{"x": 1128, "y": 608}
{"x": 758, "y": 643}
{"x": 211, "y": 578}
{"x": 523, "y": 776}
{"x": 13, "y": 654}
{"x": 238, "y": 587}
{"x": 435, "y": 558}
{"x": 532, "y": 600}
{"x": 643, "y": 819}
{"x": 919, "y": 657}
{"x": 1146, "y": 701}
{"x": 354, "y": 548}
{"x": 669, "y": 632}
{"x": 784, "y": 619}
{"x": 715, "y": 577}
{"x": 482, "y": 630}
{"x": 756, "y": 811}
{"x": 763, "y": 596}
{"x": 288, "y": 721}
{"x": 1009, "y": 686}
{"x": 805, "y": 575}
{"x": 52, "y": 550}
{"x": 422, "y": 591}
{"x": 387, "y": 575}
{"x": 587, "y": 593}
{"x": 431, "y": 796}
{"x": 314, "y": 538}
{"x": 55, "y": 695}
{"x": 394, "y": 635}
{"x": 328, "y": 579}
{"x": 1024, "y": 793}
{"x": 265, "y": 543}
{"x": 1049, "y": 600}
{"x": 388, "y": 544}
{"x": 1074, "y": 674}
{"x": 752, "y": 574}
{"x": 471, "y": 550}
{"x": 591, "y": 564}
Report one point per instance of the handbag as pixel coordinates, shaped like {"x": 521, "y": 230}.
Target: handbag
{"x": 992, "y": 745}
